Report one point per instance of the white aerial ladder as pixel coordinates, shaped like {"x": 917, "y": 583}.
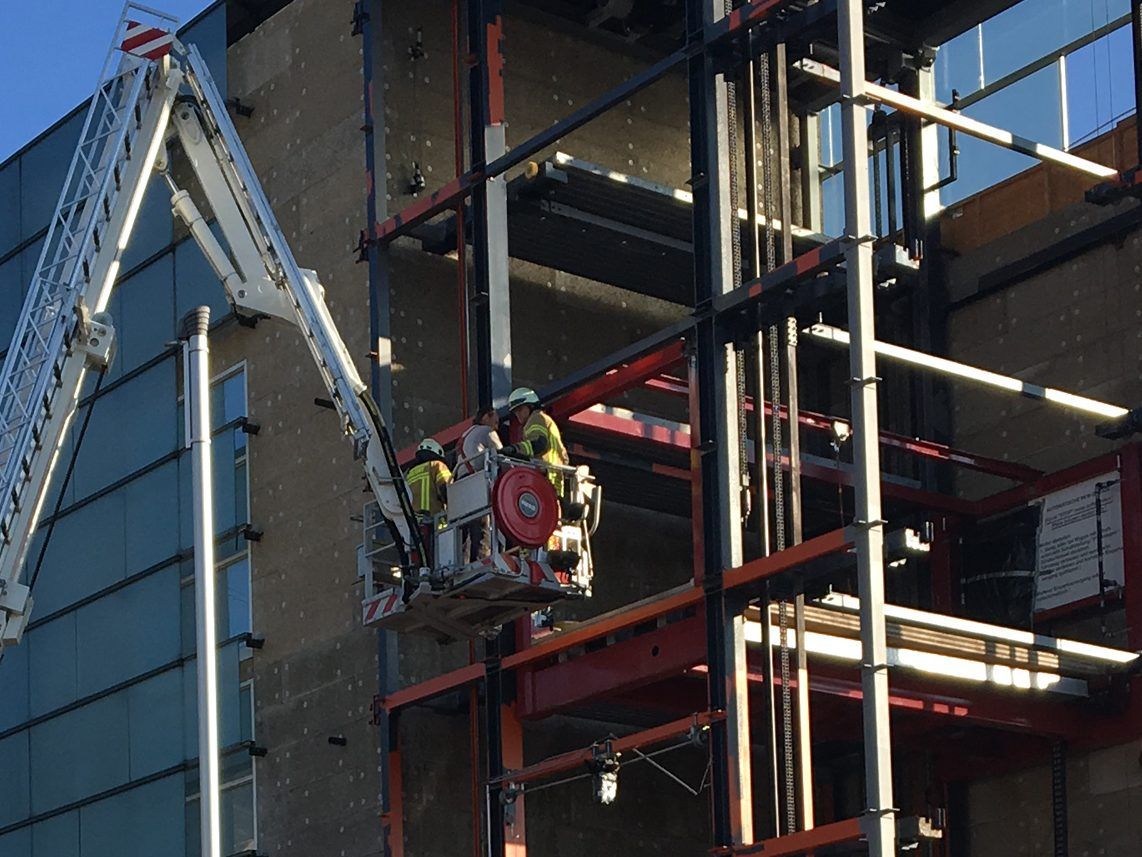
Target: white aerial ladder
{"x": 154, "y": 90}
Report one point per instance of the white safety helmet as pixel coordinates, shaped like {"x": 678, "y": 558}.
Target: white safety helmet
{"x": 429, "y": 445}
{"x": 522, "y": 396}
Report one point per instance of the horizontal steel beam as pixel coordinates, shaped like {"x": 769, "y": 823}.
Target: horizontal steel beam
{"x": 801, "y": 842}
{"x": 574, "y": 759}
{"x": 912, "y": 445}
{"x": 618, "y": 380}
{"x": 964, "y": 124}
{"x": 835, "y": 336}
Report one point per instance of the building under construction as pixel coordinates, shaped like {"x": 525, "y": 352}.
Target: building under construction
{"x": 839, "y": 302}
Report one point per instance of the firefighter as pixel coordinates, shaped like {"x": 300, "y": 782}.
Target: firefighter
{"x": 540, "y": 435}
{"x": 427, "y": 482}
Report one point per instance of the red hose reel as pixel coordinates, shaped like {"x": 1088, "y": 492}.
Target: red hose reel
{"x": 526, "y": 506}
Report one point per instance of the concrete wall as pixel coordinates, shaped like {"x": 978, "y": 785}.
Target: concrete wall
{"x": 1072, "y": 325}
{"x": 315, "y": 678}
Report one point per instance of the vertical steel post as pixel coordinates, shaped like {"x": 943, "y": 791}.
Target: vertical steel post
{"x": 810, "y": 166}
{"x": 491, "y": 309}
{"x": 879, "y": 822}
{"x": 1059, "y": 799}
{"x": 493, "y": 726}
{"x": 369, "y": 25}
{"x": 717, "y": 425}
{"x": 196, "y": 411}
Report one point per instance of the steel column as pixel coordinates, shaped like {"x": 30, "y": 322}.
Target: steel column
{"x": 810, "y": 169}
{"x": 880, "y": 821}
{"x": 196, "y": 409}
{"x": 717, "y": 441}
{"x": 491, "y": 305}
{"x": 515, "y": 828}
{"x": 369, "y": 22}
{"x": 493, "y": 737}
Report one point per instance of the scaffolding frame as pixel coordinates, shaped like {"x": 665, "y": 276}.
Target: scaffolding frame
{"x": 516, "y": 671}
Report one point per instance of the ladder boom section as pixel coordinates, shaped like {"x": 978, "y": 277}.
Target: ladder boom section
{"x": 271, "y": 282}
{"x": 61, "y": 333}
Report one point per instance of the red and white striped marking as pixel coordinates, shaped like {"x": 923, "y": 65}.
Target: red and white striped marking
{"x": 382, "y": 606}
{"x": 145, "y": 41}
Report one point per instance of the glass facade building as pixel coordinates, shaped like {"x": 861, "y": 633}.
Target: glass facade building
{"x": 98, "y": 717}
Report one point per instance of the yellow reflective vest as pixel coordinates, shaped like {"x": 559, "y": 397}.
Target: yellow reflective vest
{"x": 538, "y": 429}
{"x": 427, "y": 483}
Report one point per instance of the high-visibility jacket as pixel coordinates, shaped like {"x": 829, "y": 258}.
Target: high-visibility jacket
{"x": 427, "y": 483}
{"x": 542, "y": 440}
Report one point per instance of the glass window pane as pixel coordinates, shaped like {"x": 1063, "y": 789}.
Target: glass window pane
{"x": 209, "y": 36}
{"x": 236, "y": 578}
{"x": 9, "y": 206}
{"x": 133, "y": 425}
{"x": 14, "y": 681}
{"x": 80, "y": 753}
{"x": 128, "y": 632}
{"x": 98, "y": 526}
{"x": 1099, "y": 85}
{"x": 12, "y": 286}
{"x": 18, "y": 843}
{"x": 146, "y": 821}
{"x": 246, "y": 706}
{"x": 228, "y": 703}
{"x": 16, "y": 804}
{"x": 57, "y": 837}
{"x": 958, "y": 66}
{"x": 196, "y": 284}
{"x": 156, "y": 709}
{"x": 153, "y": 226}
{"x": 151, "y": 509}
{"x": 51, "y": 654}
{"x": 42, "y": 171}
{"x": 238, "y": 818}
{"x": 983, "y": 164}
{"x": 143, "y": 309}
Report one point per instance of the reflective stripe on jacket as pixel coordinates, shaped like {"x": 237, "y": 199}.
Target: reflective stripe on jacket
{"x": 426, "y": 483}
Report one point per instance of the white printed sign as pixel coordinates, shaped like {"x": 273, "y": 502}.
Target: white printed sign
{"x": 1068, "y": 555}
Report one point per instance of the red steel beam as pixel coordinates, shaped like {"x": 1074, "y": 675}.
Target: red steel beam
{"x": 435, "y": 203}
{"x": 1020, "y": 495}
{"x": 629, "y": 665}
{"x": 914, "y": 446}
{"x": 803, "y": 842}
{"x": 573, "y": 759}
{"x": 602, "y": 626}
{"x": 441, "y": 684}
{"x": 774, "y": 564}
{"x": 602, "y": 424}
{"x": 617, "y": 380}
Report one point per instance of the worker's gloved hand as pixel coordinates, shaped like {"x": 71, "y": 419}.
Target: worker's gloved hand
{"x": 512, "y": 451}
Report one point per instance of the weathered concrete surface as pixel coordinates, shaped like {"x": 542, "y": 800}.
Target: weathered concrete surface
{"x": 1075, "y": 326}
{"x": 316, "y": 676}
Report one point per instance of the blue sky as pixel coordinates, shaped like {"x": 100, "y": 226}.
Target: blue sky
{"x": 50, "y": 55}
